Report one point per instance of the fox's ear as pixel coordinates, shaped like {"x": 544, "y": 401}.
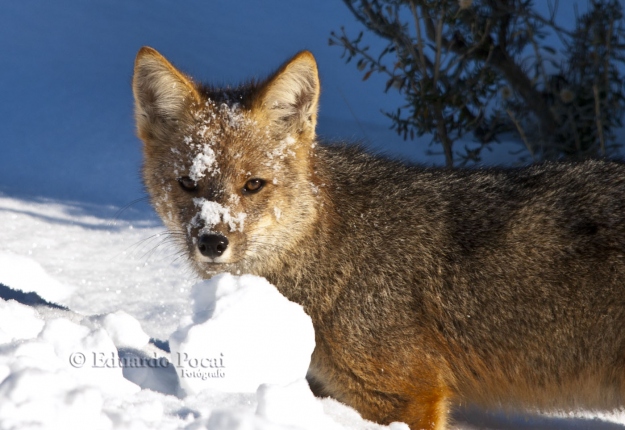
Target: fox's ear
{"x": 162, "y": 93}
{"x": 290, "y": 97}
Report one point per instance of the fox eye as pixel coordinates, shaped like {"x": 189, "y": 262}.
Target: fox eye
{"x": 187, "y": 183}
{"x": 253, "y": 186}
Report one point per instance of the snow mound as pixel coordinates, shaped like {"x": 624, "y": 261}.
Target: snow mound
{"x": 125, "y": 331}
{"x": 55, "y": 373}
{"x": 243, "y": 333}
{"x": 18, "y": 322}
{"x": 293, "y": 405}
{"x": 23, "y": 273}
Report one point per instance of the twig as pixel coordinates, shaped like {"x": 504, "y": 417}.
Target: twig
{"x": 419, "y": 36}
{"x": 439, "y": 48}
{"x": 595, "y": 90}
{"x": 354, "y": 115}
{"x": 539, "y": 57}
{"x": 521, "y": 133}
{"x": 578, "y": 143}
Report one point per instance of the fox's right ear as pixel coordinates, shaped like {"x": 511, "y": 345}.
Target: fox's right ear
{"x": 290, "y": 97}
{"x": 162, "y": 93}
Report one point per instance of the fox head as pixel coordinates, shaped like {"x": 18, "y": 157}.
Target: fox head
{"x": 230, "y": 171}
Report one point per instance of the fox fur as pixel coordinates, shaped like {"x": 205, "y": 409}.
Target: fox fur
{"x": 428, "y": 288}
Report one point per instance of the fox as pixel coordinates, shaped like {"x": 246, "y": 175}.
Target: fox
{"x": 429, "y": 288}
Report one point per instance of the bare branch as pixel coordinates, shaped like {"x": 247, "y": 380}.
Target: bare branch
{"x": 522, "y": 134}
{"x": 595, "y": 90}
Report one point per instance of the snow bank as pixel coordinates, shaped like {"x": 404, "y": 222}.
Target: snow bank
{"x": 124, "y": 330}
{"x": 243, "y": 333}
{"x": 22, "y": 273}
{"x": 55, "y": 373}
{"x": 293, "y": 405}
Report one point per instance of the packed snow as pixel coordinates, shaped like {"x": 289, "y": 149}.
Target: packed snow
{"x": 242, "y": 333}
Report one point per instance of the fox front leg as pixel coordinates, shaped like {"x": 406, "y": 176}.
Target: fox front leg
{"x": 421, "y": 409}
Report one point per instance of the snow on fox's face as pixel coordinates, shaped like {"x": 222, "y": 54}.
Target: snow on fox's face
{"x": 203, "y": 140}
{"x": 227, "y": 185}
{"x": 212, "y": 213}
{"x": 231, "y": 172}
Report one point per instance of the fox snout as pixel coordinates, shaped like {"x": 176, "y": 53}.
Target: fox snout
{"x": 212, "y": 245}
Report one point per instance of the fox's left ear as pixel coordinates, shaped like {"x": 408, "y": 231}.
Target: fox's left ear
{"x": 289, "y": 98}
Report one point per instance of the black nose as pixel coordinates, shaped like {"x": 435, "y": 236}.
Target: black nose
{"x": 212, "y": 245}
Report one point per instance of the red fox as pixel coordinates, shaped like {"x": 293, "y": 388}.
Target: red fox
{"x": 428, "y": 287}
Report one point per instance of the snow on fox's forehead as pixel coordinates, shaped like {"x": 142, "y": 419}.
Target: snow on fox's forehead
{"x": 213, "y": 124}
{"x": 218, "y": 126}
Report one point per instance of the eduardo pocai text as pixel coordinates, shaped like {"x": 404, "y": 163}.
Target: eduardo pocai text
{"x": 186, "y": 366}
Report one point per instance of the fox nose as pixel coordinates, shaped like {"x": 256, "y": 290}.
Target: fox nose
{"x": 212, "y": 245}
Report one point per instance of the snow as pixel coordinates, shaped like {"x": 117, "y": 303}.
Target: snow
{"x": 202, "y": 163}
{"x": 125, "y": 331}
{"x": 112, "y": 264}
{"x": 306, "y": 411}
{"x": 45, "y": 381}
{"x": 29, "y": 325}
{"x": 212, "y": 213}
{"x": 205, "y": 133}
{"x": 24, "y": 274}
{"x": 243, "y": 333}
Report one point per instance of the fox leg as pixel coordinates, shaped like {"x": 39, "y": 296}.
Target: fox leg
{"x": 427, "y": 410}
{"x": 426, "y": 395}
{"x": 422, "y": 408}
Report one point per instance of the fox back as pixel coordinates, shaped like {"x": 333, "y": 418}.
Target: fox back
{"x": 428, "y": 288}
